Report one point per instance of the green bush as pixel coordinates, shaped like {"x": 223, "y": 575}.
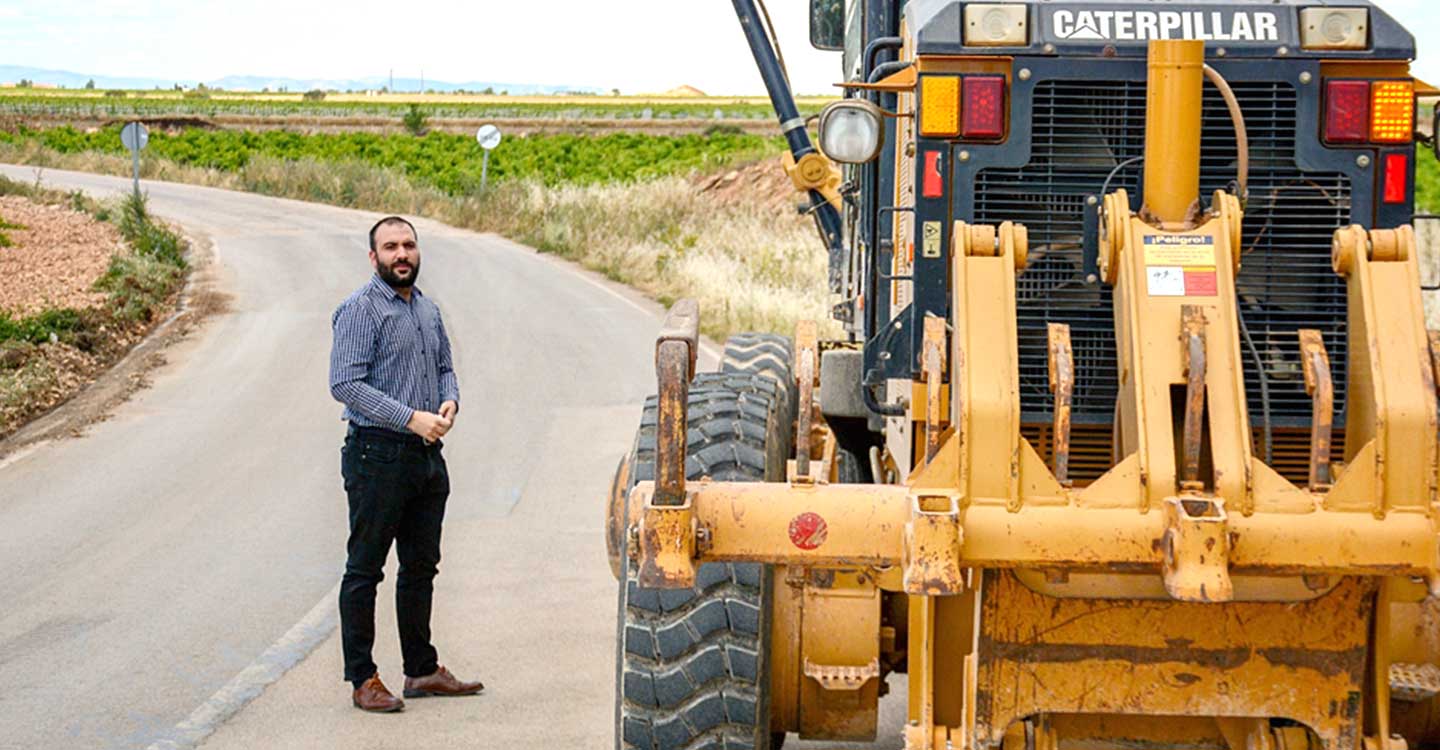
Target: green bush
{"x": 40, "y": 327}
{"x": 148, "y": 239}
{"x": 416, "y": 121}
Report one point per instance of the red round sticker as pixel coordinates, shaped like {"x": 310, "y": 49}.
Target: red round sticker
{"x": 808, "y": 531}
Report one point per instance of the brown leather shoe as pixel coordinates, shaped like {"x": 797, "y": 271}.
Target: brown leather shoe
{"x": 440, "y": 683}
{"x": 372, "y": 696}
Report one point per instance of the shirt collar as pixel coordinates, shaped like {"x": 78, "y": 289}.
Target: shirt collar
{"x": 379, "y": 286}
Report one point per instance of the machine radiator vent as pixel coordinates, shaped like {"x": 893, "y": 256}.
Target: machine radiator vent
{"x": 1081, "y": 131}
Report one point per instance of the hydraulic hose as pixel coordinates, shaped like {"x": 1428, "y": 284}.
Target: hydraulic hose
{"x": 1242, "y": 137}
{"x": 792, "y": 125}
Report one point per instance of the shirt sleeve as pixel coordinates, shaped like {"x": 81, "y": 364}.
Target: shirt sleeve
{"x": 351, "y": 356}
{"x": 449, "y": 384}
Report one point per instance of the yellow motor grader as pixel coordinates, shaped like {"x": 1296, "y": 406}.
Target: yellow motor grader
{"x": 1131, "y": 439}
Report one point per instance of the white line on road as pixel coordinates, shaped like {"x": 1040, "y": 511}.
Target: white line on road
{"x": 291, "y": 649}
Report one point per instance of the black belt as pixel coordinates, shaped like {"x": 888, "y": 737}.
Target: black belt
{"x": 380, "y": 433}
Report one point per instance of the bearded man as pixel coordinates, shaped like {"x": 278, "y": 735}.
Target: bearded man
{"x": 390, "y": 366}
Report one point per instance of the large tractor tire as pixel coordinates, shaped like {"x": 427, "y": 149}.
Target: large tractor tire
{"x": 692, "y": 665}
{"x": 768, "y": 355}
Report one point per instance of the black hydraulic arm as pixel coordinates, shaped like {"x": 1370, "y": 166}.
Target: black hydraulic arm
{"x": 793, "y": 126}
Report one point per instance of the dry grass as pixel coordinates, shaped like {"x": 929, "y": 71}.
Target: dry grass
{"x": 752, "y": 267}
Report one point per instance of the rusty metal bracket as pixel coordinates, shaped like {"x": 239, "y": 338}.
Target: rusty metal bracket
{"x": 682, "y": 324}
{"x": 1321, "y": 387}
{"x": 932, "y": 363}
{"x": 932, "y": 546}
{"x": 667, "y": 546}
{"x": 1196, "y": 545}
{"x": 1192, "y": 335}
{"x": 1062, "y": 384}
{"x": 667, "y": 526}
{"x": 807, "y": 356}
{"x": 841, "y": 677}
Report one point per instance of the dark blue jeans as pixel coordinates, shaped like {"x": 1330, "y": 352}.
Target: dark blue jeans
{"x": 397, "y": 487}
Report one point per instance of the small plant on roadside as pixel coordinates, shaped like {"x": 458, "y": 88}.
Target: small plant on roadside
{"x": 415, "y": 120}
{"x": 5, "y": 240}
{"x": 150, "y": 240}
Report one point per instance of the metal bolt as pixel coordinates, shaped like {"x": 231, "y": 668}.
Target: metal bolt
{"x": 964, "y": 156}
{"x": 1024, "y": 74}
{"x": 914, "y": 722}
{"x": 909, "y": 149}
{"x": 1283, "y": 51}
{"x": 1048, "y": 49}
{"x": 1362, "y": 161}
{"x": 1091, "y": 278}
{"x": 1220, "y": 52}
{"x": 1092, "y": 200}
{"x": 1305, "y": 76}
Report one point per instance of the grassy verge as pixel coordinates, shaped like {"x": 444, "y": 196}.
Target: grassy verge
{"x": 751, "y": 269}
{"x": 47, "y": 356}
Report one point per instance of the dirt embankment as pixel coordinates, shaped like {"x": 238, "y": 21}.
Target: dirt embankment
{"x": 54, "y": 256}
{"x": 762, "y": 183}
{"x": 63, "y": 340}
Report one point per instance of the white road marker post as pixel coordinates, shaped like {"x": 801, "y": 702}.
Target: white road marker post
{"x": 489, "y": 137}
{"x": 135, "y": 136}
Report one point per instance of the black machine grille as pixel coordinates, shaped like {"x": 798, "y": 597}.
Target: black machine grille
{"x": 1081, "y": 131}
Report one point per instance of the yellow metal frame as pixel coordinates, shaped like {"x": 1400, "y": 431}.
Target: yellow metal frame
{"x": 1191, "y": 581}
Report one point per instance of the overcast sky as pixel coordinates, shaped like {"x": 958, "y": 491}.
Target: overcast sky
{"x": 638, "y": 46}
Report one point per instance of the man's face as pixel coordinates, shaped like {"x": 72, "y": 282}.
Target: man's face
{"x": 396, "y": 257}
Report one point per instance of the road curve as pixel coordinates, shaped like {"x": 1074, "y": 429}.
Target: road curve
{"x": 150, "y": 561}
{"x": 162, "y": 569}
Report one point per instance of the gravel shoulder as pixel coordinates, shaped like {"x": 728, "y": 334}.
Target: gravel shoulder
{"x": 54, "y": 256}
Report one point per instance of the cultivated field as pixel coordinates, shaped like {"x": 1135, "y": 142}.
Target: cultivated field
{"x": 456, "y": 113}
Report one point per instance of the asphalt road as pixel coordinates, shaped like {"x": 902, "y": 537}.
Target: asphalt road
{"x": 163, "y": 571}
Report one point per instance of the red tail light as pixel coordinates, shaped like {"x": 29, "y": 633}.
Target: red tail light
{"x": 1347, "y": 111}
{"x": 933, "y": 184}
{"x": 1397, "y": 177}
{"x": 983, "y": 115}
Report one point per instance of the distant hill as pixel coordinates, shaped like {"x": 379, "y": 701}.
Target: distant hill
{"x": 71, "y": 80}
{"x": 685, "y": 91}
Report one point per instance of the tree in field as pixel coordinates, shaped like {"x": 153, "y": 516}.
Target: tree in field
{"x": 90, "y": 84}
{"x": 416, "y": 121}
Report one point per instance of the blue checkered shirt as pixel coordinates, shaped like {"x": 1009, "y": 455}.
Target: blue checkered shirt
{"x": 390, "y": 357}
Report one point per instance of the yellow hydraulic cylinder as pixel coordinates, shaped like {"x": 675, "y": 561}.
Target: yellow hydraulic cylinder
{"x": 1172, "y": 129}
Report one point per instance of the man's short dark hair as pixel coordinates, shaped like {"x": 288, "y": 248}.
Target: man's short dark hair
{"x": 391, "y": 220}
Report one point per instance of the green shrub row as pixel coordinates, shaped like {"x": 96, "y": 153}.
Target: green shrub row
{"x": 446, "y": 161}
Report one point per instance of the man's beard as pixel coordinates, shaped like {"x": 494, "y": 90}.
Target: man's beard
{"x": 387, "y": 274}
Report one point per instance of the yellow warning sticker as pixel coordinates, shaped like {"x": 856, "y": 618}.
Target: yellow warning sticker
{"x": 1180, "y": 250}
{"x": 930, "y": 233}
